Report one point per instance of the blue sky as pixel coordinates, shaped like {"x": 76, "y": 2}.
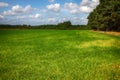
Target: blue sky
{"x": 39, "y": 12}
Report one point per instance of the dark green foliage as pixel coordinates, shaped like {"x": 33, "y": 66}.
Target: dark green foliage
{"x": 64, "y": 25}
{"x": 61, "y": 26}
{"x": 4, "y": 26}
{"x": 106, "y": 16}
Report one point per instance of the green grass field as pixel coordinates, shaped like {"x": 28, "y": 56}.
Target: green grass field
{"x": 59, "y": 55}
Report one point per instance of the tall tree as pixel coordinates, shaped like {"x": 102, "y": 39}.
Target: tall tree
{"x": 106, "y": 16}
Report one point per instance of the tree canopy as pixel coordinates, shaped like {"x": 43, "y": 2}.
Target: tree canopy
{"x": 106, "y": 16}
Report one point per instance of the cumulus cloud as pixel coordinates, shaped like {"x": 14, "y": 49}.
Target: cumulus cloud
{"x": 79, "y": 20}
{"x": 17, "y": 9}
{"x": 35, "y": 16}
{"x": 86, "y": 6}
{"x": 51, "y": 19}
{"x": 20, "y": 9}
{"x": 62, "y": 19}
{"x": 21, "y": 17}
{"x": 86, "y": 9}
{"x": 9, "y": 13}
{"x": 3, "y": 4}
{"x": 92, "y": 3}
{"x": 72, "y": 7}
{"x": 74, "y": 11}
{"x": 23, "y": 13}
{"x": 28, "y": 9}
{"x": 1, "y": 17}
{"x": 54, "y": 7}
{"x": 51, "y": 0}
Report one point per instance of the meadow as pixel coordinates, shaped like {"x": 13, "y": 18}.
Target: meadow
{"x": 59, "y": 55}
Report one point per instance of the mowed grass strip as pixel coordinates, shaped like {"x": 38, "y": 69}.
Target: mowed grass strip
{"x": 59, "y": 55}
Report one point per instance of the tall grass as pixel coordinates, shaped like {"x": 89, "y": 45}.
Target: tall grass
{"x": 58, "y": 55}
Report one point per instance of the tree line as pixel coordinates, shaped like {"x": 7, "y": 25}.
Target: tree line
{"x": 60, "y": 26}
{"x": 106, "y": 16}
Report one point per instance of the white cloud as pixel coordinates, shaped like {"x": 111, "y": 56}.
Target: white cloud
{"x": 51, "y": 19}
{"x": 35, "y": 16}
{"x": 3, "y": 4}
{"x": 1, "y": 17}
{"x": 21, "y": 17}
{"x": 20, "y": 9}
{"x": 62, "y": 19}
{"x": 71, "y": 5}
{"x": 54, "y": 7}
{"x": 8, "y": 13}
{"x": 86, "y": 6}
{"x": 74, "y": 11}
{"x": 73, "y": 8}
{"x": 51, "y": 0}
{"x": 85, "y": 9}
{"x": 17, "y": 9}
{"x": 21, "y": 14}
{"x": 90, "y": 3}
{"x": 28, "y": 9}
{"x": 79, "y": 20}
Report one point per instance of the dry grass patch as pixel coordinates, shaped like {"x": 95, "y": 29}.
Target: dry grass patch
{"x": 110, "y": 32}
{"x": 110, "y": 71}
{"x": 100, "y": 43}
